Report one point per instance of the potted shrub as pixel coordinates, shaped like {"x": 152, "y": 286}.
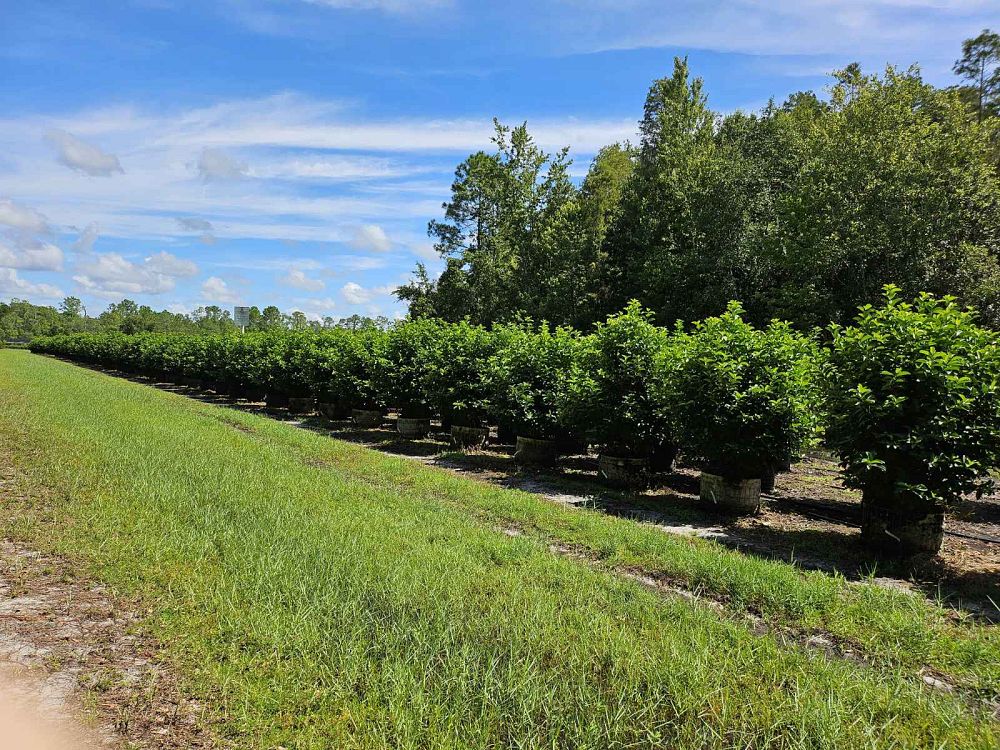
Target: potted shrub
{"x": 742, "y": 401}
{"x": 354, "y": 385}
{"x": 454, "y": 377}
{"x": 298, "y": 370}
{"x": 401, "y": 374}
{"x": 528, "y": 375}
{"x": 914, "y": 412}
{"x": 608, "y": 396}
{"x": 248, "y": 368}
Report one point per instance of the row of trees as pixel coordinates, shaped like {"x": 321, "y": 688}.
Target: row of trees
{"x": 21, "y": 321}
{"x": 908, "y": 395}
{"x": 802, "y": 211}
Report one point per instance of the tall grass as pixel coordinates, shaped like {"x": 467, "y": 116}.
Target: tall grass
{"x": 320, "y": 595}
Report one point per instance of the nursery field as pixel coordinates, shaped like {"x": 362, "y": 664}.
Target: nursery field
{"x": 315, "y": 593}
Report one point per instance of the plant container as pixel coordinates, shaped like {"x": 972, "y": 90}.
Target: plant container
{"x": 536, "y": 452}
{"x": 626, "y": 472}
{"x": 898, "y": 525}
{"x": 469, "y": 437}
{"x": 733, "y": 495}
{"x": 367, "y": 418}
{"x": 413, "y": 428}
{"x": 251, "y": 393}
{"x": 276, "y": 400}
{"x": 332, "y": 410}
{"x": 301, "y": 404}
{"x": 662, "y": 459}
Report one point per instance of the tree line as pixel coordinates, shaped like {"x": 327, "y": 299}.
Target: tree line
{"x": 21, "y": 320}
{"x": 802, "y": 211}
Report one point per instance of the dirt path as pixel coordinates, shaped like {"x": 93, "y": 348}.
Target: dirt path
{"x": 73, "y": 670}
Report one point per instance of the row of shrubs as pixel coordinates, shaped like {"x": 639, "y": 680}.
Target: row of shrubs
{"x": 908, "y": 396}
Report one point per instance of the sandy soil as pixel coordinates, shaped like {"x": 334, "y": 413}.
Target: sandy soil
{"x": 74, "y": 671}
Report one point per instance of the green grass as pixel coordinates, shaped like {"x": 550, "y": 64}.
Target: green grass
{"x": 318, "y": 594}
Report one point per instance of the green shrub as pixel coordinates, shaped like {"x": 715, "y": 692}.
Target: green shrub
{"x": 914, "y": 402}
{"x": 347, "y": 368}
{"x": 528, "y": 377}
{"x": 608, "y": 396}
{"x": 401, "y": 370}
{"x": 742, "y": 401}
{"x": 454, "y": 375}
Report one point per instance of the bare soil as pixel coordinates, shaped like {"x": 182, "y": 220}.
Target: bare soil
{"x": 76, "y": 669}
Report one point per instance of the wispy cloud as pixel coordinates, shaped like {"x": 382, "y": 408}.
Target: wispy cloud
{"x": 298, "y": 279}
{"x": 13, "y": 285}
{"x": 371, "y": 237}
{"x": 82, "y": 156}
{"x": 111, "y": 275}
{"x": 259, "y": 168}
{"x": 21, "y": 217}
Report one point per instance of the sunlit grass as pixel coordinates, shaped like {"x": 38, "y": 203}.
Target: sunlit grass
{"x": 319, "y": 594}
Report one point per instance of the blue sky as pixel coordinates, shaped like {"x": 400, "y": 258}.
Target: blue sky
{"x": 291, "y": 152}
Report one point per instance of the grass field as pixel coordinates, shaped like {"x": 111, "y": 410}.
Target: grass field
{"x": 319, "y": 594}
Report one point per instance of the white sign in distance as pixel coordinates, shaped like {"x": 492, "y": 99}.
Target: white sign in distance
{"x": 241, "y": 316}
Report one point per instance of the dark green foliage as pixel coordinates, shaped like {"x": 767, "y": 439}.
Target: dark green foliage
{"x": 454, "y": 372}
{"x": 979, "y": 65}
{"x": 346, "y": 366}
{"x": 609, "y": 390}
{"x": 914, "y": 400}
{"x": 528, "y": 378}
{"x": 399, "y": 375}
{"x": 742, "y": 400}
{"x": 800, "y": 212}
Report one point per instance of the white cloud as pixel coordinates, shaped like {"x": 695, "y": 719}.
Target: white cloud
{"x": 13, "y": 285}
{"x": 31, "y": 255}
{"x": 82, "y": 156}
{"x": 194, "y": 224}
{"x": 288, "y": 140}
{"x": 327, "y": 168}
{"x": 215, "y": 289}
{"x": 170, "y": 265}
{"x": 85, "y": 242}
{"x": 371, "y": 237}
{"x": 356, "y": 294}
{"x": 21, "y": 217}
{"x": 110, "y": 274}
{"x": 215, "y": 164}
{"x": 297, "y": 278}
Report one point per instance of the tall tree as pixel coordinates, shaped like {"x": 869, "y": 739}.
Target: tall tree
{"x": 896, "y": 184}
{"x": 676, "y": 242}
{"x": 497, "y": 232}
{"x": 980, "y": 66}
